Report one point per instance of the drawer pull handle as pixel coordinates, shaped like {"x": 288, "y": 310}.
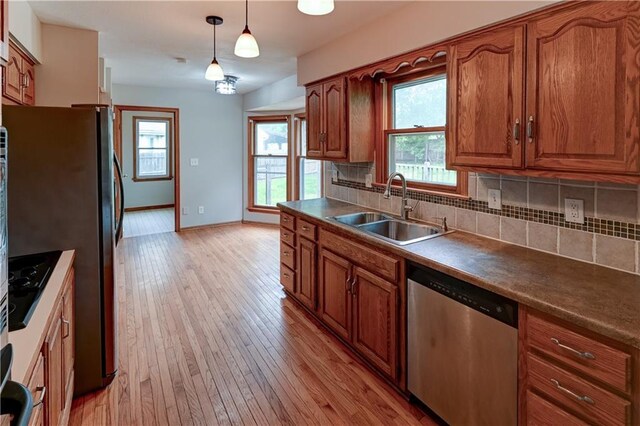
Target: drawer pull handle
{"x": 585, "y": 355}
{"x": 67, "y": 325}
{"x": 43, "y": 391}
{"x": 285, "y": 253}
{"x": 286, "y": 275}
{"x": 305, "y": 228}
{"x": 530, "y": 129}
{"x": 571, "y": 393}
{"x": 285, "y": 219}
{"x": 285, "y": 235}
{"x": 516, "y": 131}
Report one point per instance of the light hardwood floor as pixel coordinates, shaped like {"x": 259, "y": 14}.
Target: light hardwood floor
{"x": 145, "y": 222}
{"x": 207, "y": 336}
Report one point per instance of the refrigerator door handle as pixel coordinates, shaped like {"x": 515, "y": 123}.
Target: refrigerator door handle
{"x": 121, "y": 207}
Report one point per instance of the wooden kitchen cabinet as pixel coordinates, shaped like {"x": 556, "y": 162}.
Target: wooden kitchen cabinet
{"x": 306, "y": 289}
{"x": 68, "y": 338}
{"x": 19, "y": 78}
{"x": 334, "y": 304}
{"x": 486, "y": 99}
{"x": 38, "y": 390}
{"x": 341, "y": 120}
{"x": 54, "y": 370}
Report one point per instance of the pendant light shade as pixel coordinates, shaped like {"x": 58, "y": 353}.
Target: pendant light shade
{"x": 214, "y": 70}
{"x": 247, "y": 46}
{"x": 315, "y": 7}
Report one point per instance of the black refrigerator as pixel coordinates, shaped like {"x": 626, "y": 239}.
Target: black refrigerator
{"x": 61, "y": 195}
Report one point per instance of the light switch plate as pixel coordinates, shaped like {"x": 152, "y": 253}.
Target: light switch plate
{"x": 495, "y": 199}
{"x": 200, "y": 209}
{"x": 368, "y": 179}
{"x": 193, "y": 162}
{"x": 573, "y": 210}
{"x": 334, "y": 175}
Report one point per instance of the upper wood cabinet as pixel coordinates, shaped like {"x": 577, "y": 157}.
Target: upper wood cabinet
{"x": 578, "y": 81}
{"x": 19, "y": 78}
{"x": 486, "y": 99}
{"x": 341, "y": 120}
{"x": 582, "y": 89}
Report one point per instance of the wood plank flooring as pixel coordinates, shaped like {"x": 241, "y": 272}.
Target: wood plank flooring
{"x": 145, "y": 222}
{"x": 207, "y": 336}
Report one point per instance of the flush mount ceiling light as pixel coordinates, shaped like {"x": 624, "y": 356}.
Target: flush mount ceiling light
{"x": 315, "y": 7}
{"x": 246, "y": 46}
{"x": 214, "y": 71}
{"x": 227, "y": 86}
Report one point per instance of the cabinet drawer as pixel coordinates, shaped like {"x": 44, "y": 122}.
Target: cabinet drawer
{"x": 583, "y": 397}
{"x": 287, "y": 255}
{"x": 287, "y": 278}
{"x": 307, "y": 230}
{"x": 541, "y": 412}
{"x": 610, "y": 365}
{"x": 374, "y": 261}
{"x": 288, "y": 236}
{"x": 288, "y": 221}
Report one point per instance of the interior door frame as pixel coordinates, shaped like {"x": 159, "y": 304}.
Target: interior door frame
{"x": 118, "y": 110}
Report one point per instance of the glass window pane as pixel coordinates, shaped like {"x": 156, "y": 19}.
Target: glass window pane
{"x": 310, "y": 179}
{"x": 152, "y": 134}
{"x": 420, "y": 103}
{"x": 303, "y": 137}
{"x": 271, "y": 138}
{"x": 420, "y": 157}
{"x": 152, "y": 162}
{"x": 270, "y": 181}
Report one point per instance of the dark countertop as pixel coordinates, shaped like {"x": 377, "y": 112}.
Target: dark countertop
{"x": 603, "y": 300}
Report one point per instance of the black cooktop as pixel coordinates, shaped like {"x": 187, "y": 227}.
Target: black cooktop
{"x": 28, "y": 275}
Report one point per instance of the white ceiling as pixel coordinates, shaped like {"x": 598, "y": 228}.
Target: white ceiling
{"x": 141, "y": 40}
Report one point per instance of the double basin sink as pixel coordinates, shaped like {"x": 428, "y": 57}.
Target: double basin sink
{"x": 388, "y": 228}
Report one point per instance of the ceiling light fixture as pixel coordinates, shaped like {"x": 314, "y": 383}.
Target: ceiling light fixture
{"x": 227, "y": 86}
{"x": 247, "y": 46}
{"x": 214, "y": 71}
{"x": 315, "y": 7}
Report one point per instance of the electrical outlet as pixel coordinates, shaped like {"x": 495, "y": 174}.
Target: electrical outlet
{"x": 495, "y": 199}
{"x": 573, "y": 210}
{"x": 200, "y": 209}
{"x": 193, "y": 162}
{"x": 368, "y": 179}
{"x": 334, "y": 175}
{"x": 185, "y": 210}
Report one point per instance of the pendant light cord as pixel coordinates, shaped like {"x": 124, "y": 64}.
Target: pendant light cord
{"x": 246, "y": 16}
{"x": 214, "y": 41}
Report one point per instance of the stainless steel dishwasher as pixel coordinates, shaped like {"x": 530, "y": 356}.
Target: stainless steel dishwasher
{"x": 463, "y": 349}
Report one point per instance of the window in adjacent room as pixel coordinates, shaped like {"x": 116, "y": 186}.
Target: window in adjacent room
{"x": 309, "y": 171}
{"x": 152, "y": 148}
{"x": 268, "y": 161}
{"x": 415, "y": 137}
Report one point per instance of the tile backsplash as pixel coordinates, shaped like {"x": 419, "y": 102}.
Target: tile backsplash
{"x": 532, "y": 213}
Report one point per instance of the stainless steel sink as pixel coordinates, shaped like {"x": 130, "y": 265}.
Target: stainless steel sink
{"x": 355, "y": 219}
{"x": 400, "y": 232}
{"x": 388, "y": 228}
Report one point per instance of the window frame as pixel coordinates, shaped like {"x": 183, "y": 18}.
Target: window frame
{"x": 252, "y": 122}
{"x": 169, "y": 175}
{"x": 384, "y": 104}
{"x": 297, "y": 134}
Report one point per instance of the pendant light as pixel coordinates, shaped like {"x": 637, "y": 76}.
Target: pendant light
{"x": 246, "y": 46}
{"x": 214, "y": 71}
{"x": 315, "y": 7}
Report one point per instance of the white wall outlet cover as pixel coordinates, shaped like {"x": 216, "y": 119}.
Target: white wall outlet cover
{"x": 495, "y": 199}
{"x": 573, "y": 210}
{"x": 368, "y": 180}
{"x": 334, "y": 175}
{"x": 200, "y": 209}
{"x": 193, "y": 162}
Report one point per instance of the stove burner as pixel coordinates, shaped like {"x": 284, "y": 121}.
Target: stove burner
{"x": 12, "y": 276}
{"x": 11, "y": 308}
{"x": 29, "y": 271}
{"x": 23, "y": 283}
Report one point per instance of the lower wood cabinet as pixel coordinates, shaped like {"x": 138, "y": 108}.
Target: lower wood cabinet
{"x": 38, "y": 390}
{"x": 306, "y": 289}
{"x": 54, "y": 370}
{"x": 334, "y": 306}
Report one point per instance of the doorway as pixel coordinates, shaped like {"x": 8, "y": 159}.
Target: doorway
{"x": 147, "y": 143}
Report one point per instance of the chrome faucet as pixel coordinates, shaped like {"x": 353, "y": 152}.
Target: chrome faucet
{"x": 405, "y": 208}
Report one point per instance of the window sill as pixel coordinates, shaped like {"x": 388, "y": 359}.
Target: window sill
{"x": 426, "y": 191}
{"x": 151, "y": 179}
{"x": 268, "y": 210}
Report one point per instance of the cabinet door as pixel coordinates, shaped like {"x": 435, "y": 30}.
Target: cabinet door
{"x": 334, "y": 299}
{"x": 12, "y": 85}
{"x": 335, "y": 141}
{"x": 375, "y": 320}
{"x": 486, "y": 98}
{"x": 582, "y": 89}
{"x": 54, "y": 373}
{"x": 38, "y": 392}
{"x": 306, "y": 291}
{"x": 68, "y": 339}
{"x": 29, "y": 89}
{"x": 314, "y": 121}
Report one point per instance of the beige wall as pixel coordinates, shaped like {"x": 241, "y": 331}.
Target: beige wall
{"x": 25, "y": 27}
{"x": 411, "y": 27}
{"x": 69, "y": 71}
